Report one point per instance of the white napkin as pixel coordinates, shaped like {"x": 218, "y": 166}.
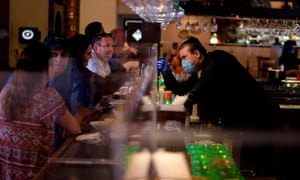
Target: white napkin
{"x": 171, "y": 165}
{"x": 89, "y": 137}
{"x": 179, "y": 99}
{"x": 138, "y": 166}
{"x": 146, "y": 100}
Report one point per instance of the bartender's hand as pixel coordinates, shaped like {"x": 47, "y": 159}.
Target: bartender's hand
{"x": 162, "y": 65}
{"x": 188, "y": 105}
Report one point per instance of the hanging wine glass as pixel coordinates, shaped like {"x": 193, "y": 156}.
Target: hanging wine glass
{"x": 241, "y": 26}
{"x": 178, "y": 26}
{"x": 205, "y": 25}
{"x": 295, "y": 27}
{"x": 156, "y": 11}
{"x": 249, "y": 26}
{"x": 163, "y": 26}
{"x": 284, "y": 27}
{"x": 197, "y": 26}
{"x": 214, "y": 25}
{"x": 267, "y": 23}
{"x": 188, "y": 25}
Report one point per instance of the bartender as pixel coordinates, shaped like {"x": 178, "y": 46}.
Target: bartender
{"x": 229, "y": 94}
{"x": 223, "y": 86}
{"x": 289, "y": 58}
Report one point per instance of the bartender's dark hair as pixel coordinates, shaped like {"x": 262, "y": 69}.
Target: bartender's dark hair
{"x": 194, "y": 44}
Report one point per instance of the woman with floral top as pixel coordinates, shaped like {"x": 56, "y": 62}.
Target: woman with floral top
{"x": 28, "y": 111}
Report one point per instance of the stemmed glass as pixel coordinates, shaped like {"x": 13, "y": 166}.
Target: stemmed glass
{"x": 178, "y": 26}
{"x": 295, "y": 27}
{"x": 214, "y": 25}
{"x": 188, "y": 25}
{"x": 205, "y": 25}
{"x": 197, "y": 26}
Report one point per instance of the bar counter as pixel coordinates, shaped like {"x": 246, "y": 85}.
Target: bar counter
{"x": 81, "y": 160}
{"x": 288, "y": 99}
{"x": 107, "y": 160}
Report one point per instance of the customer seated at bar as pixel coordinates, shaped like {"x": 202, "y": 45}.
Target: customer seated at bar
{"x": 228, "y": 93}
{"x": 122, "y": 50}
{"x": 289, "y": 58}
{"x": 109, "y": 75}
{"x": 63, "y": 79}
{"x": 79, "y": 54}
{"x": 59, "y": 66}
{"x": 173, "y": 51}
{"x": 28, "y": 111}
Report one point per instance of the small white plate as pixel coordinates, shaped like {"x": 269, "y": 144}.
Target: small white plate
{"x": 92, "y": 138}
{"x": 290, "y": 81}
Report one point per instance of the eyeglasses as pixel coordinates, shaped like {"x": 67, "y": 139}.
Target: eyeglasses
{"x": 106, "y": 46}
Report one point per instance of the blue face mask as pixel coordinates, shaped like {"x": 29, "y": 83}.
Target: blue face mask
{"x": 187, "y": 66}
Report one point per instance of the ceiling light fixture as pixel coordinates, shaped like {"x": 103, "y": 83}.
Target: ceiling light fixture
{"x": 157, "y": 11}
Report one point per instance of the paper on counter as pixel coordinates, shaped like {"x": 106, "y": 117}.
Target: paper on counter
{"x": 146, "y": 100}
{"x": 138, "y": 166}
{"x": 179, "y": 99}
{"x": 171, "y": 165}
{"x": 89, "y": 137}
{"x": 172, "y": 107}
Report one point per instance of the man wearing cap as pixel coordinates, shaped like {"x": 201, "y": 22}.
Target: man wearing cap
{"x": 59, "y": 76}
{"x": 59, "y": 50}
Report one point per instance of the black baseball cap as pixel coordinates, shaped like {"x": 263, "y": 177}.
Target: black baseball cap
{"x": 55, "y": 42}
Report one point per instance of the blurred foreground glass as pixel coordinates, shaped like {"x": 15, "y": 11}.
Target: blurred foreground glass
{"x": 157, "y": 11}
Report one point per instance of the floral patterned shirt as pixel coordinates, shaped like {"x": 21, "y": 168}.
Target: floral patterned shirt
{"x": 25, "y": 144}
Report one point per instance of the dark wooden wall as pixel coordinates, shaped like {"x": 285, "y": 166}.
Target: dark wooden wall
{"x": 68, "y": 24}
{"x": 4, "y": 30}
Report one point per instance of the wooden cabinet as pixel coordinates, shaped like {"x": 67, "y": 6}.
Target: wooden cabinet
{"x": 64, "y": 17}
{"x": 4, "y": 30}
